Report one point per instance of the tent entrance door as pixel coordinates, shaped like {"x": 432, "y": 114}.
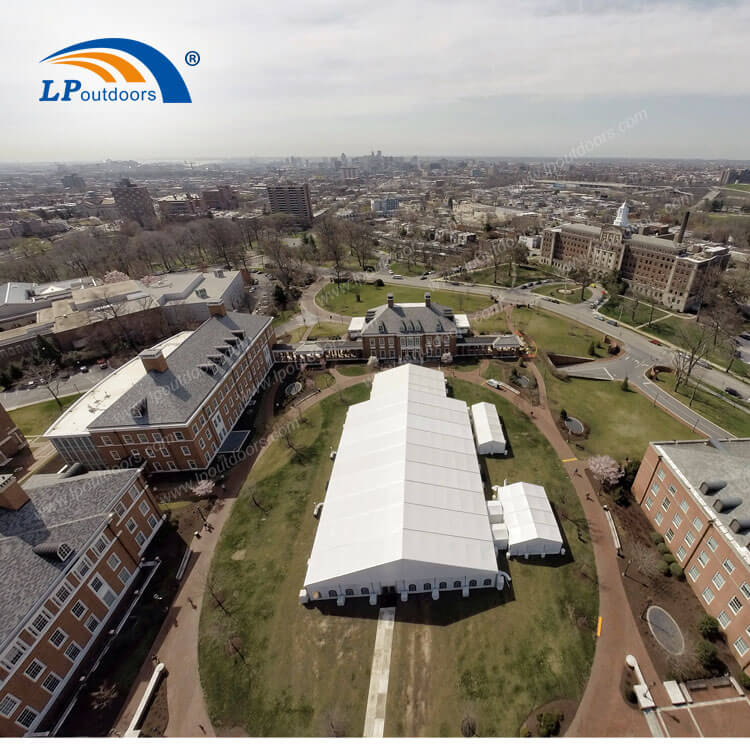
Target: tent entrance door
{"x": 388, "y": 590}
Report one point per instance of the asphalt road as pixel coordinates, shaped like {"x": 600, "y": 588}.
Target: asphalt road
{"x": 78, "y": 383}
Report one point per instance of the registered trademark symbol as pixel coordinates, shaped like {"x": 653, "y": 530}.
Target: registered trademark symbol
{"x": 192, "y": 58}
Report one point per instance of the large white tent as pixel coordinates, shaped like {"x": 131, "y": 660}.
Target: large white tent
{"x": 523, "y": 521}
{"x": 488, "y": 430}
{"x": 405, "y": 510}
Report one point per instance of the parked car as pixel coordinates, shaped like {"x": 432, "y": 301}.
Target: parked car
{"x": 703, "y": 363}
{"x": 655, "y": 342}
{"x": 397, "y": 276}
{"x": 598, "y": 316}
{"x": 733, "y": 392}
{"x": 492, "y": 383}
{"x": 454, "y": 283}
{"x": 745, "y": 335}
{"x": 612, "y": 323}
{"x": 83, "y": 368}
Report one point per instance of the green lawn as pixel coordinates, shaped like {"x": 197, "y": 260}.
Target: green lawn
{"x": 522, "y": 275}
{"x": 407, "y": 269}
{"x": 630, "y": 311}
{"x": 283, "y": 316}
{"x": 294, "y": 336}
{"x": 493, "y": 657}
{"x": 268, "y": 665}
{"x": 553, "y": 290}
{"x": 327, "y": 330}
{"x": 323, "y": 380}
{"x": 35, "y": 419}
{"x": 352, "y": 371}
{"x": 496, "y": 323}
{"x": 709, "y": 405}
{"x": 554, "y": 334}
{"x": 343, "y": 299}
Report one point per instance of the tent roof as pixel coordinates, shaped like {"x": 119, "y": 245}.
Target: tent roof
{"x": 527, "y": 513}
{"x": 487, "y": 425}
{"x": 405, "y": 484}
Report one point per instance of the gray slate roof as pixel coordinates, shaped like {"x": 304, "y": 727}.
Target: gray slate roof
{"x": 59, "y": 510}
{"x": 700, "y": 461}
{"x": 405, "y": 319}
{"x": 174, "y": 395}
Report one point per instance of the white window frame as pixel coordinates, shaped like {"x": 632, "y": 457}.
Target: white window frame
{"x": 85, "y": 609}
{"x": 64, "y": 638}
{"x": 73, "y": 645}
{"x": 712, "y": 544}
{"x": 689, "y": 538}
{"x": 113, "y": 561}
{"x": 694, "y": 573}
{"x": 740, "y": 646}
{"x": 5, "y": 713}
{"x": 708, "y": 595}
{"x": 681, "y": 552}
{"x": 649, "y": 502}
{"x": 728, "y": 565}
{"x": 735, "y": 608}
{"x": 27, "y": 710}
{"x": 37, "y": 631}
{"x": 40, "y": 665}
{"x": 724, "y": 619}
{"x": 660, "y": 474}
{"x": 684, "y": 506}
{"x": 658, "y": 518}
{"x": 54, "y": 676}
{"x": 718, "y": 580}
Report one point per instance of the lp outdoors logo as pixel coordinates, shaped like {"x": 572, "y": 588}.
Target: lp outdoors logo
{"x": 107, "y": 65}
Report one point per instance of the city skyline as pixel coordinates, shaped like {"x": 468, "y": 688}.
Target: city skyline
{"x": 406, "y": 81}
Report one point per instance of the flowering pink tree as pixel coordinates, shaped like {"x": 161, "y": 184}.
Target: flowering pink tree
{"x": 203, "y": 488}
{"x": 605, "y": 470}
{"x": 149, "y": 280}
{"x": 112, "y": 277}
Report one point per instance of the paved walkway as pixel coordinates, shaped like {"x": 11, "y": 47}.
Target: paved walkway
{"x": 602, "y": 711}
{"x": 379, "y": 674}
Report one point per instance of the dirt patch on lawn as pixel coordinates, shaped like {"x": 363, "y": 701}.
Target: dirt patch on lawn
{"x": 564, "y": 706}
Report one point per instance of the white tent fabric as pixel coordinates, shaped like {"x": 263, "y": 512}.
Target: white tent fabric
{"x": 531, "y": 524}
{"x": 405, "y": 502}
{"x": 488, "y": 429}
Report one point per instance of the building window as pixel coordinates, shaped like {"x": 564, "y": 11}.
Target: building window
{"x": 106, "y": 440}
{"x": 185, "y": 450}
{"x": 427, "y": 587}
{"x": 660, "y": 474}
{"x": 741, "y": 645}
{"x": 728, "y": 566}
{"x": 171, "y": 465}
{"x": 718, "y": 581}
{"x": 34, "y": 670}
{"x": 8, "y": 705}
{"x": 684, "y": 506}
{"x": 103, "y": 591}
{"x": 708, "y": 595}
{"x": 672, "y": 489}
{"x": 127, "y": 440}
{"x": 72, "y": 651}
{"x": 669, "y": 534}
{"x": 412, "y": 587}
{"x": 179, "y": 436}
{"x": 100, "y": 545}
{"x": 113, "y": 561}
{"x": 92, "y": 624}
{"x": 27, "y": 716}
{"x": 124, "y": 575}
{"x": 78, "y": 609}
{"x": 649, "y": 502}
{"x": 689, "y": 539}
{"x": 164, "y": 452}
{"x": 745, "y": 589}
{"x": 658, "y": 518}
{"x": 665, "y": 503}
{"x": 723, "y": 619}
{"x": 58, "y": 638}
{"x": 50, "y": 682}
{"x": 144, "y": 507}
{"x": 735, "y": 604}
{"x": 711, "y": 544}
{"x": 152, "y": 522}
{"x": 150, "y": 453}
{"x": 681, "y": 552}
{"x": 40, "y": 622}
{"x": 697, "y": 524}
{"x": 677, "y": 520}
{"x": 131, "y": 525}
{"x": 157, "y": 466}
{"x": 192, "y": 465}
{"x": 63, "y": 593}
{"x": 703, "y": 559}
{"x": 655, "y": 488}
{"x": 140, "y": 538}
{"x": 694, "y": 573}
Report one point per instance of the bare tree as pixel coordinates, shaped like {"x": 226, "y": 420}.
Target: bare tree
{"x": 581, "y": 273}
{"x": 359, "y": 238}
{"x": 330, "y": 234}
{"x": 47, "y": 371}
{"x": 694, "y": 343}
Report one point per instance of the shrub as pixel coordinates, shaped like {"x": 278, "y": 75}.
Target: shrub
{"x": 563, "y": 415}
{"x": 676, "y": 571}
{"x": 548, "y": 724}
{"x": 592, "y": 349}
{"x": 705, "y": 651}
{"x": 524, "y": 731}
{"x": 708, "y": 627}
{"x": 745, "y": 681}
{"x": 662, "y": 548}
{"x": 379, "y": 282}
{"x": 625, "y": 386}
{"x": 668, "y": 558}
{"x": 663, "y": 567}
{"x": 656, "y": 537}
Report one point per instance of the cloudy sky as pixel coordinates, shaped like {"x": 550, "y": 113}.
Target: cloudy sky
{"x": 318, "y": 77}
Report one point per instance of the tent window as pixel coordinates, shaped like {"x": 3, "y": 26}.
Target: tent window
{"x": 332, "y": 592}
{"x": 349, "y": 592}
{"x": 442, "y": 585}
{"x": 457, "y": 584}
{"x": 488, "y": 582}
{"x": 427, "y": 586}
{"x": 412, "y": 587}
{"x": 364, "y": 590}
{"x": 473, "y": 582}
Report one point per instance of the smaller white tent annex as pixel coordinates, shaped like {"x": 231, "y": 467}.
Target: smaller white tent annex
{"x": 488, "y": 431}
{"x": 522, "y": 518}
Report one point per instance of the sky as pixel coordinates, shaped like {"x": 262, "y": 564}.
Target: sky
{"x": 610, "y": 78}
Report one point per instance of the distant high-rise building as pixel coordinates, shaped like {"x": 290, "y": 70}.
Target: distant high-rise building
{"x": 134, "y": 202}
{"x": 293, "y": 200}
{"x": 221, "y": 198}
{"x": 74, "y": 181}
{"x": 730, "y": 176}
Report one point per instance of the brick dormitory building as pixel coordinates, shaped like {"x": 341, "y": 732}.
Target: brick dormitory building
{"x": 71, "y": 549}
{"x": 696, "y": 494}
{"x": 173, "y": 407}
{"x": 12, "y": 440}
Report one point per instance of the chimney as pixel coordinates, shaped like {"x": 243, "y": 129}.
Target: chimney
{"x": 390, "y": 300}
{"x": 153, "y": 360}
{"x": 217, "y": 308}
{"x": 427, "y": 299}
{"x": 12, "y": 495}
{"x": 683, "y": 227}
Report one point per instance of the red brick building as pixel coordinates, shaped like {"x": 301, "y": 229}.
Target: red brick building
{"x": 11, "y": 439}
{"x": 70, "y": 551}
{"x": 696, "y": 493}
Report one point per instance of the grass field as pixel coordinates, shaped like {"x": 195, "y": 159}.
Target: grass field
{"x": 554, "y": 334}
{"x": 268, "y": 665}
{"x": 496, "y": 657}
{"x": 497, "y": 323}
{"x": 629, "y": 311}
{"x": 284, "y": 315}
{"x": 35, "y": 419}
{"x": 343, "y": 300}
{"x": 294, "y": 336}
{"x": 351, "y": 371}
{"x": 708, "y": 405}
{"x": 327, "y": 330}
{"x": 406, "y": 269}
{"x": 522, "y": 275}
{"x": 553, "y": 290}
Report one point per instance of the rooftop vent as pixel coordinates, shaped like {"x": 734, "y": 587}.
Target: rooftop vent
{"x": 740, "y": 525}
{"x": 139, "y": 409}
{"x": 725, "y": 504}
{"x": 202, "y": 293}
{"x": 712, "y": 486}
{"x": 60, "y": 551}
{"x": 208, "y": 367}
{"x": 219, "y": 274}
{"x": 239, "y": 334}
{"x": 390, "y": 300}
